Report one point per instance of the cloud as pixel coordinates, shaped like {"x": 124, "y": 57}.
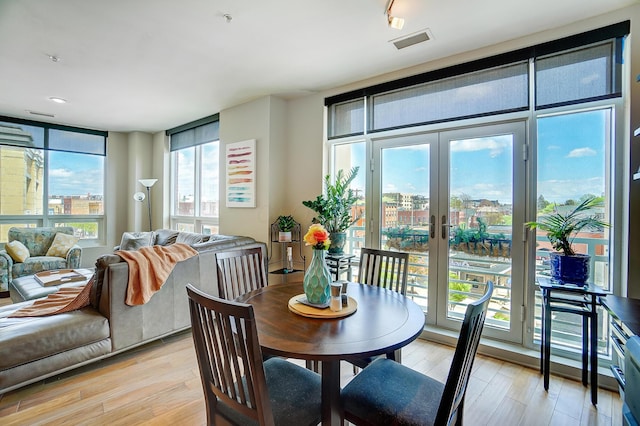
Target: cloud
{"x": 495, "y": 146}
{"x": 581, "y": 152}
{"x": 60, "y": 173}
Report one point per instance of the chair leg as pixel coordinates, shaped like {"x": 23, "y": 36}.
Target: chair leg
{"x": 355, "y": 369}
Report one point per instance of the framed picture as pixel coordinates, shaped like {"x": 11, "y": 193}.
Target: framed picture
{"x": 240, "y": 160}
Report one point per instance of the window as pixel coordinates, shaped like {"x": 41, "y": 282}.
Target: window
{"x": 567, "y": 91}
{"x": 195, "y": 199}
{"x": 51, "y": 176}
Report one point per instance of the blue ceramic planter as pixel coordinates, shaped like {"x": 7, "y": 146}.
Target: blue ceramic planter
{"x": 569, "y": 269}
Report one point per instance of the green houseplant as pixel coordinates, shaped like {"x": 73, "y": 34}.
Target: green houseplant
{"x": 561, "y": 229}
{"x": 285, "y": 226}
{"x": 334, "y": 208}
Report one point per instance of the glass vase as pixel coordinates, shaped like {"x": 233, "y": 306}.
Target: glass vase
{"x": 317, "y": 279}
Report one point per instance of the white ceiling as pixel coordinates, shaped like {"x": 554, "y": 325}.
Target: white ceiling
{"x": 150, "y": 65}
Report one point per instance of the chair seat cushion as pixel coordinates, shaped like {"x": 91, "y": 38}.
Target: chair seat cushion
{"x": 37, "y": 264}
{"x": 294, "y": 392}
{"x": 378, "y": 395}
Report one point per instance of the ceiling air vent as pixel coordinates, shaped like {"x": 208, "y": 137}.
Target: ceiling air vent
{"x": 415, "y": 38}
{"x": 42, "y": 114}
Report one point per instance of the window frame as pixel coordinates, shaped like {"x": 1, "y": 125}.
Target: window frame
{"x": 45, "y": 219}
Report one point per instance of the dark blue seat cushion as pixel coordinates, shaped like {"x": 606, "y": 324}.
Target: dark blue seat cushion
{"x": 294, "y": 392}
{"x": 388, "y": 393}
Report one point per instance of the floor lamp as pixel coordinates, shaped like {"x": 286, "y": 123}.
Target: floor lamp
{"x": 148, "y": 183}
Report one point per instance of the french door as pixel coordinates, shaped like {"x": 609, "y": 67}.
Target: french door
{"x": 456, "y": 201}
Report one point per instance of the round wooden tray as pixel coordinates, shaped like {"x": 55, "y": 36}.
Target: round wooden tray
{"x": 311, "y": 312}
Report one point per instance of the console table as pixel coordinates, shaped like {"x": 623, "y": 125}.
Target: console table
{"x": 582, "y": 300}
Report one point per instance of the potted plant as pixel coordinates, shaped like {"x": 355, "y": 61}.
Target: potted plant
{"x": 334, "y": 208}
{"x": 285, "y": 226}
{"x": 567, "y": 265}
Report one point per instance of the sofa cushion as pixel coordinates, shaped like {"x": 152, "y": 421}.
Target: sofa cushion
{"x": 18, "y": 251}
{"x": 191, "y": 238}
{"x": 24, "y": 340}
{"x": 61, "y": 245}
{"x": 37, "y": 240}
{"x": 165, "y": 237}
{"x": 36, "y": 264}
{"x": 132, "y": 241}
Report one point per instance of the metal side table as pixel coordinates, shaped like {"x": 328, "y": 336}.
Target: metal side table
{"x": 577, "y": 299}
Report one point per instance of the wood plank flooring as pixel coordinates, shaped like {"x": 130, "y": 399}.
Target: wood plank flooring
{"x": 159, "y": 384}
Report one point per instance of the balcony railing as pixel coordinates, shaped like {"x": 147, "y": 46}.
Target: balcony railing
{"x": 468, "y": 272}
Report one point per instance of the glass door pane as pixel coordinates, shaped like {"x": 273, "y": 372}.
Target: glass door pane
{"x": 481, "y": 226}
{"x": 403, "y": 188}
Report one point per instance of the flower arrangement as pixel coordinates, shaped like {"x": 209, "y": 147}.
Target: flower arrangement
{"x": 317, "y": 237}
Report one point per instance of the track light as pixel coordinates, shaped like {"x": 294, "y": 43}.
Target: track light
{"x": 393, "y": 21}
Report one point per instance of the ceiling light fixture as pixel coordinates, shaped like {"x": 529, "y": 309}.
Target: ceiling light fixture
{"x": 54, "y": 58}
{"x": 57, "y": 100}
{"x": 393, "y": 21}
{"x": 227, "y": 18}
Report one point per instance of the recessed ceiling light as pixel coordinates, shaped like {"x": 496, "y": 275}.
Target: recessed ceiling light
{"x": 54, "y": 58}
{"x": 58, "y": 100}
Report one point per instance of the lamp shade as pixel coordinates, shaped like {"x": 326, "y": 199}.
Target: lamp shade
{"x": 148, "y": 182}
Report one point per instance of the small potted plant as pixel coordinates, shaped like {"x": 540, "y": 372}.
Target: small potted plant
{"x": 567, "y": 266}
{"x": 285, "y": 226}
{"x": 334, "y": 208}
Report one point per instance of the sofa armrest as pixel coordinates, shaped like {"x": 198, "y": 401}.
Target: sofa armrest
{"x": 6, "y": 264}
{"x": 74, "y": 257}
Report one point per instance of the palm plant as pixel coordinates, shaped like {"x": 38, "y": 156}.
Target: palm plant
{"x": 561, "y": 228}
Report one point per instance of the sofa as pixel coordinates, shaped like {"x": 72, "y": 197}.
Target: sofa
{"x": 35, "y": 348}
{"x": 32, "y": 250}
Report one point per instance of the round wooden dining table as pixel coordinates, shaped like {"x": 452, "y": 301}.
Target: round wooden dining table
{"x": 383, "y": 322}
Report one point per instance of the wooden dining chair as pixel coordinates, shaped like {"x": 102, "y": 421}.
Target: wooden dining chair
{"x": 240, "y": 271}
{"x": 387, "y": 392}
{"x": 383, "y": 268}
{"x": 387, "y": 269}
{"x": 239, "y": 387}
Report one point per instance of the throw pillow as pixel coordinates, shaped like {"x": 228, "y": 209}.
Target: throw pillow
{"x": 18, "y": 251}
{"x": 190, "y": 238}
{"x": 132, "y": 241}
{"x": 165, "y": 237}
{"x": 61, "y": 245}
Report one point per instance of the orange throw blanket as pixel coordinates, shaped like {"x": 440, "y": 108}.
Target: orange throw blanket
{"x": 64, "y": 300}
{"x": 149, "y": 268}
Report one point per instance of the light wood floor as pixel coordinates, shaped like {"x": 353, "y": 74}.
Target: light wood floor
{"x": 159, "y": 384}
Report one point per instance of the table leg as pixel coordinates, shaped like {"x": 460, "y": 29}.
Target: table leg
{"x": 594, "y": 352}
{"x": 542, "y": 333}
{"x": 331, "y": 412}
{"x": 585, "y": 349}
{"x": 547, "y": 342}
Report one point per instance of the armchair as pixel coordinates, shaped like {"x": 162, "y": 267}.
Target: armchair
{"x": 38, "y": 242}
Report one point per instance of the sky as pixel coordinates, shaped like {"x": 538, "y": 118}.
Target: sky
{"x": 571, "y": 160}
{"x": 75, "y": 174}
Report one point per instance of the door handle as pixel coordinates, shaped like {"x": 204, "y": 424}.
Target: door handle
{"x": 444, "y": 227}
{"x": 432, "y": 227}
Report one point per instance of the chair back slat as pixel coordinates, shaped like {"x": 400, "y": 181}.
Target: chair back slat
{"x": 229, "y": 357}
{"x": 382, "y": 268}
{"x": 240, "y": 271}
{"x": 452, "y": 400}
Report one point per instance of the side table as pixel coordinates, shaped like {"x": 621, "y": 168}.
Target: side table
{"x": 339, "y": 263}
{"x": 577, "y": 299}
